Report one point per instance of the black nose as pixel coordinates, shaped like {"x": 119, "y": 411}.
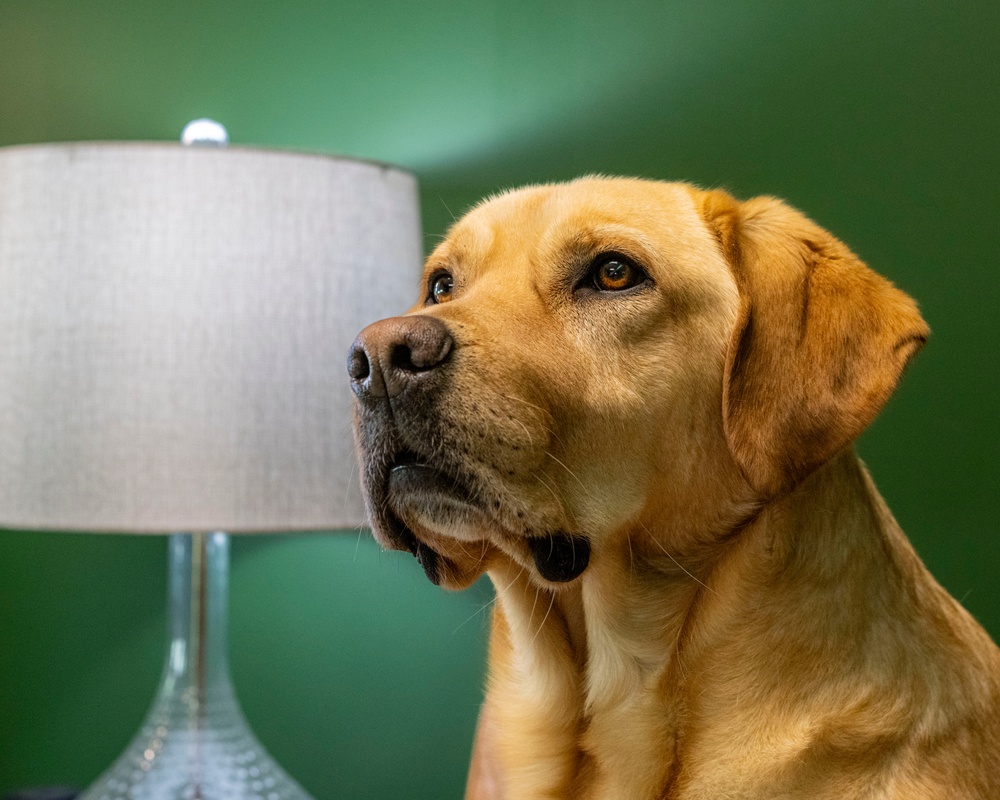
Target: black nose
{"x": 395, "y": 354}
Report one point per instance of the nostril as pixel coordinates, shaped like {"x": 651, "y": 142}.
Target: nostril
{"x": 426, "y": 344}
{"x": 358, "y": 365}
{"x": 402, "y": 358}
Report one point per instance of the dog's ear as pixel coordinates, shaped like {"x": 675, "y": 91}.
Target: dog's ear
{"x": 818, "y": 347}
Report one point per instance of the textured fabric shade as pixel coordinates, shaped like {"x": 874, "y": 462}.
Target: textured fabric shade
{"x": 174, "y": 323}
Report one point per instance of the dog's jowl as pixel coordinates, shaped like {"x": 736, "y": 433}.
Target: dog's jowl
{"x": 632, "y": 405}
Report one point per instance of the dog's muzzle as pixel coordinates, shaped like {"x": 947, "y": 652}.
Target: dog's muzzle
{"x": 395, "y": 367}
{"x": 397, "y": 370}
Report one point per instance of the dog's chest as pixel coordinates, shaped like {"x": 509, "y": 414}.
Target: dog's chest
{"x": 630, "y": 714}
{"x": 584, "y": 691}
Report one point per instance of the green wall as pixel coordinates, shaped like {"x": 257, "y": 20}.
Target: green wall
{"x": 880, "y": 120}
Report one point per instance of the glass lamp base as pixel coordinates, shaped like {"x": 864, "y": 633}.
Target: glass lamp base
{"x": 195, "y": 743}
{"x": 166, "y": 761}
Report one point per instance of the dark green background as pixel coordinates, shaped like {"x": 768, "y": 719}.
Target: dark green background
{"x": 879, "y": 119}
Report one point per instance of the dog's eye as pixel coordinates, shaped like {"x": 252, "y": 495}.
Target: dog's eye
{"x": 440, "y": 287}
{"x": 615, "y": 274}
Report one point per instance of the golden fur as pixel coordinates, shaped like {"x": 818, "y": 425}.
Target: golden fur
{"x": 752, "y": 622}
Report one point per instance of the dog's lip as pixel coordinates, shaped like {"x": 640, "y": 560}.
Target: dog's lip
{"x": 411, "y": 477}
{"x": 403, "y": 480}
{"x": 410, "y": 483}
{"x": 407, "y": 459}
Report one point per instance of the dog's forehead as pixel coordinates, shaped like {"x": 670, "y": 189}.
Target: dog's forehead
{"x": 545, "y": 219}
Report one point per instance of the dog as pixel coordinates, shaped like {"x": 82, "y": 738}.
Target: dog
{"x": 633, "y": 404}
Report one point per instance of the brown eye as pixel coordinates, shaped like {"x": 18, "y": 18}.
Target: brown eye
{"x": 615, "y": 274}
{"x": 441, "y": 287}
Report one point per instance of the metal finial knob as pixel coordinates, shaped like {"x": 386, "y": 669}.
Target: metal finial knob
{"x": 205, "y": 132}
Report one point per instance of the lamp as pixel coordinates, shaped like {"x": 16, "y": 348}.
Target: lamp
{"x": 173, "y": 328}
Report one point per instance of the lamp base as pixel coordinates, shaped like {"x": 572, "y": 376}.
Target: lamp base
{"x": 195, "y": 743}
{"x": 165, "y": 762}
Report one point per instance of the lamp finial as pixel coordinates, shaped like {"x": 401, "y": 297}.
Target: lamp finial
{"x": 204, "y": 132}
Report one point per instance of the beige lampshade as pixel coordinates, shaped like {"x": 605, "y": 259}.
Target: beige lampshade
{"x": 174, "y": 323}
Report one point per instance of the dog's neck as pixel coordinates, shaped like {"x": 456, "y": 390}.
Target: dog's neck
{"x": 644, "y": 645}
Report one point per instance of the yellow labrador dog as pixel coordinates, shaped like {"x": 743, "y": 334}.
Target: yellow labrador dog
{"x": 632, "y": 404}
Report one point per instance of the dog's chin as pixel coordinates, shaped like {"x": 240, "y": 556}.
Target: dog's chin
{"x": 431, "y": 500}
{"x": 429, "y": 513}
{"x": 433, "y": 515}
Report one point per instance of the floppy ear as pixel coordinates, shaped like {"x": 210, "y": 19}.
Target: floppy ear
{"x": 818, "y": 347}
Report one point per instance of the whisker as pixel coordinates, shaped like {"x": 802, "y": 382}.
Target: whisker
{"x": 514, "y": 580}
{"x": 558, "y": 498}
{"x": 547, "y": 428}
{"x": 561, "y": 464}
{"x": 350, "y": 480}
{"x": 522, "y": 400}
{"x": 531, "y": 616}
{"x": 450, "y": 212}
{"x": 527, "y": 433}
{"x": 552, "y": 600}
{"x": 678, "y": 563}
{"x": 475, "y": 614}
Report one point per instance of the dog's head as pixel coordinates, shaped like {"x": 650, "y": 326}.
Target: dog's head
{"x": 611, "y": 364}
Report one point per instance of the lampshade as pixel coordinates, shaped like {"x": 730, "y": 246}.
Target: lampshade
{"x": 174, "y": 323}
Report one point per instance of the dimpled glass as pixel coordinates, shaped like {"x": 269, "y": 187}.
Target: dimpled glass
{"x": 195, "y": 743}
